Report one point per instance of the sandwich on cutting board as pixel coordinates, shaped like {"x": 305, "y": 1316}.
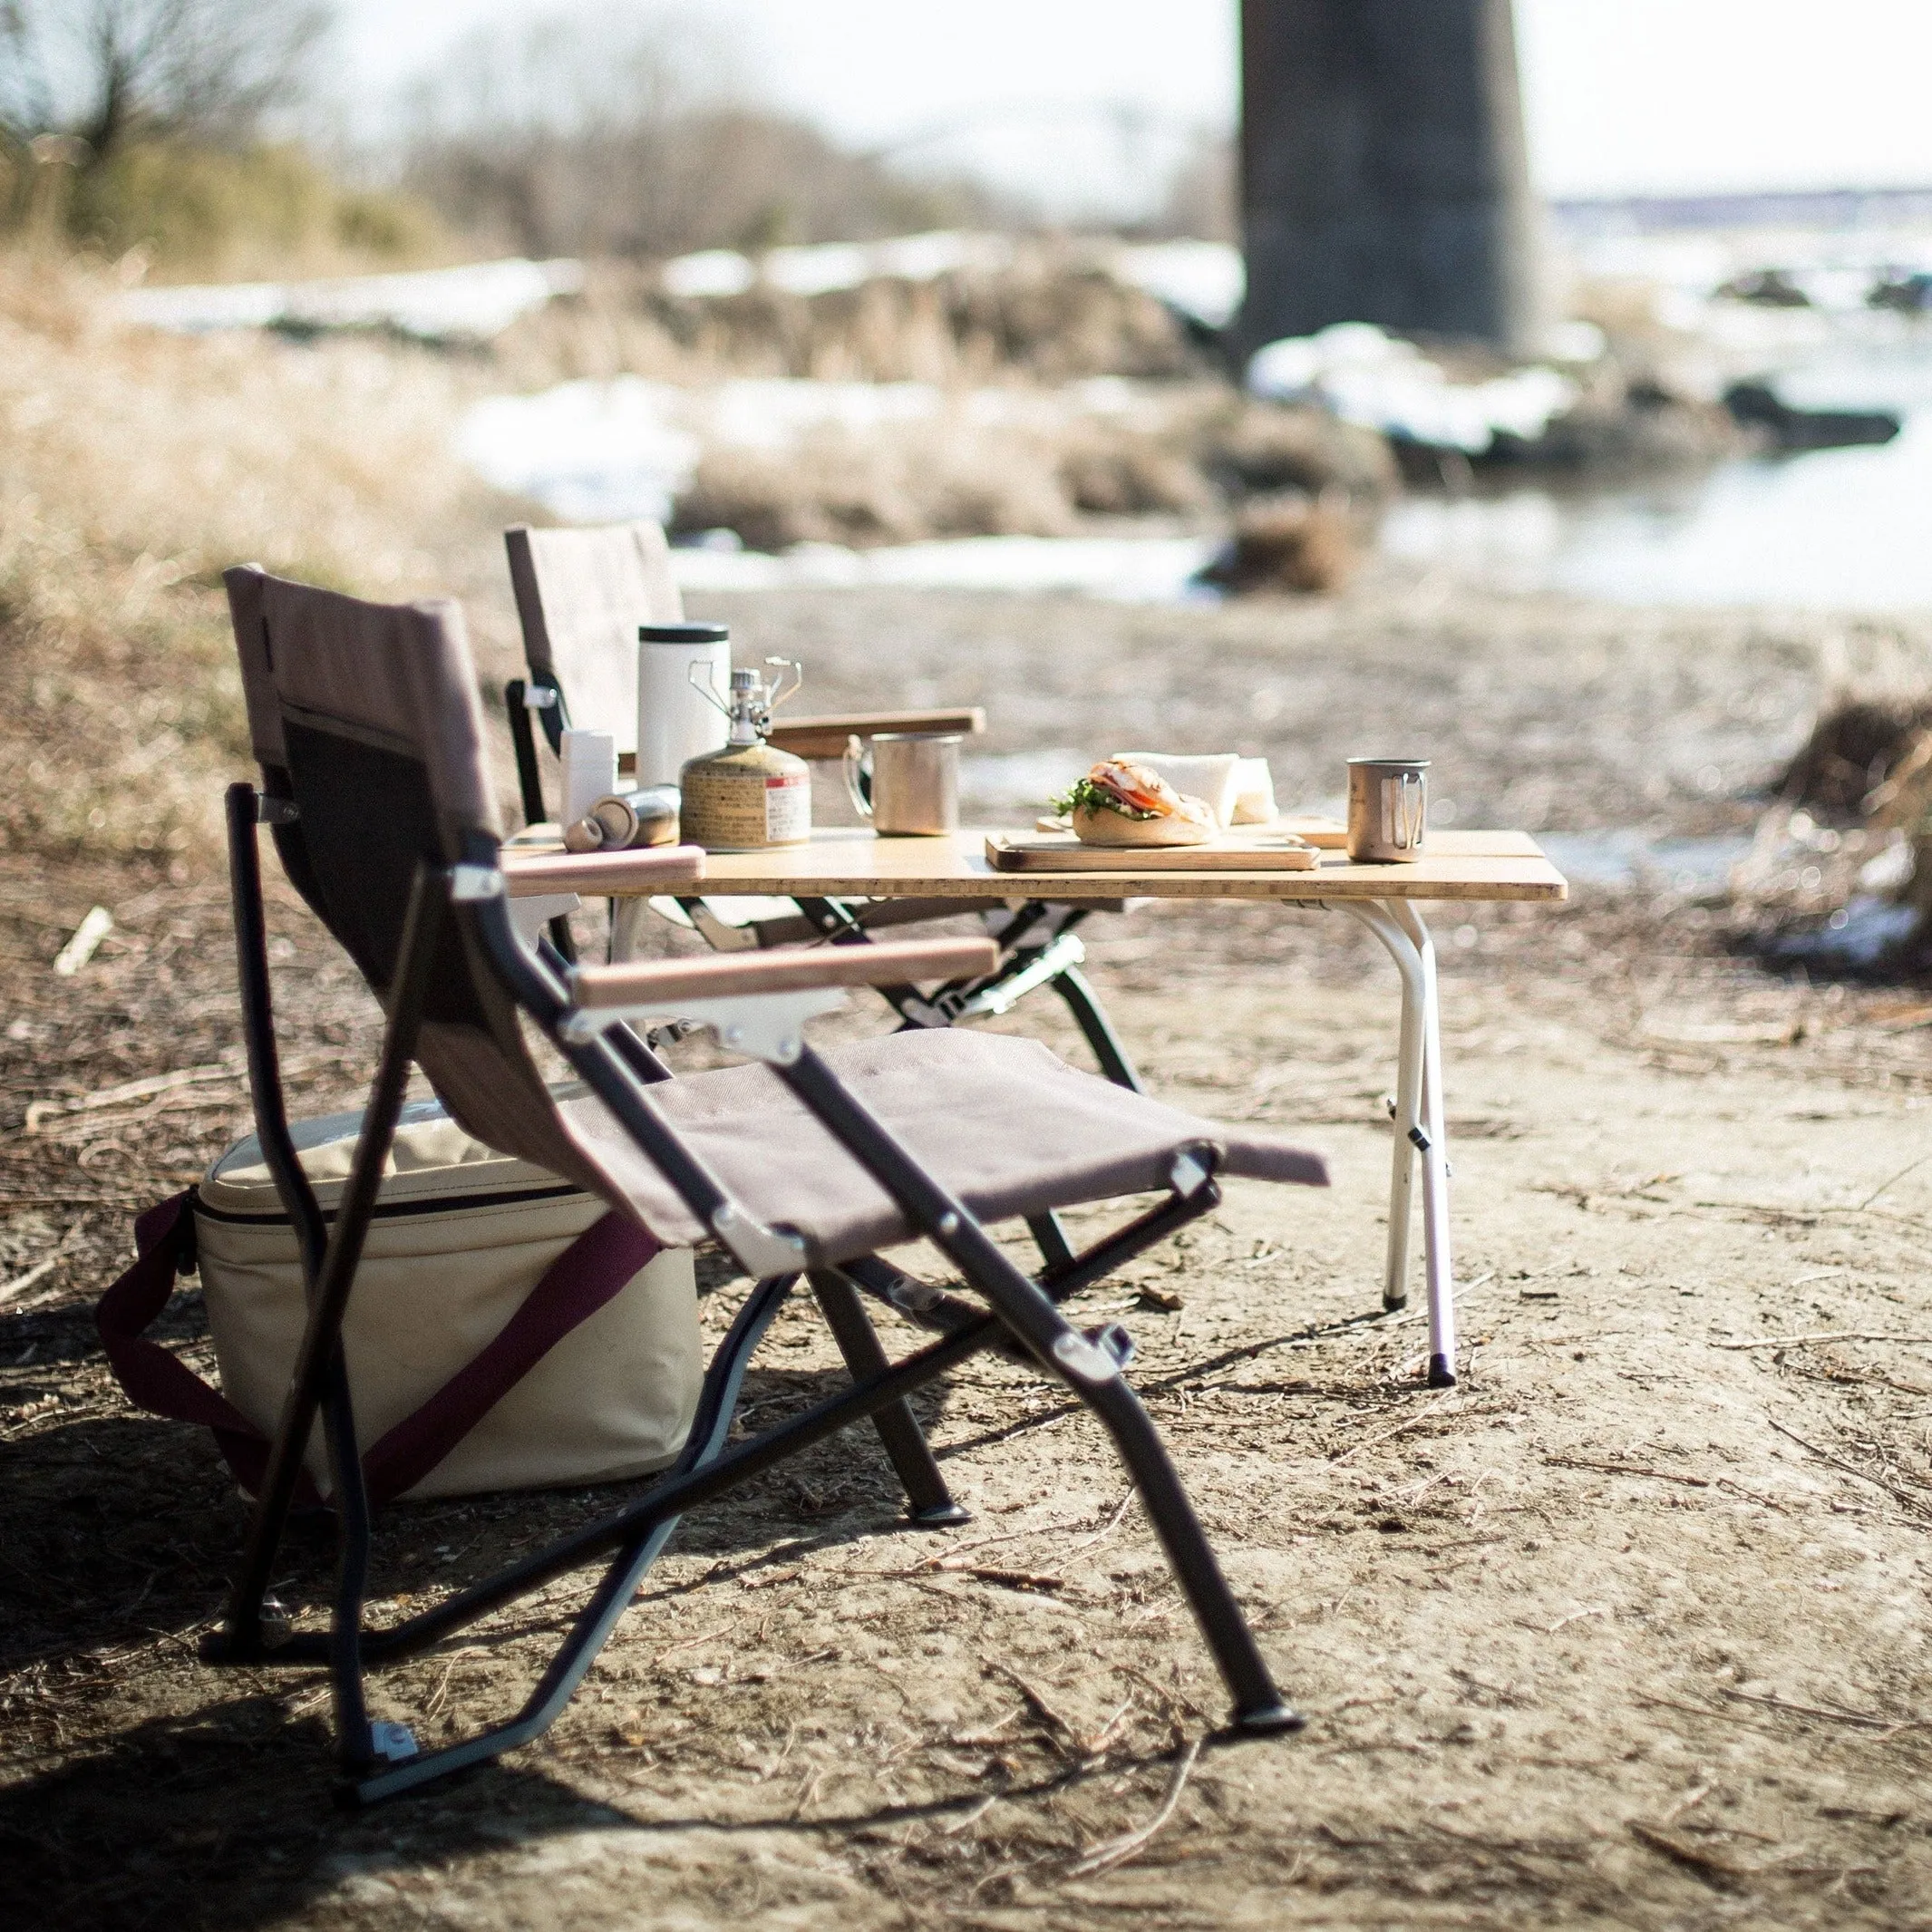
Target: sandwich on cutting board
{"x": 1122, "y": 802}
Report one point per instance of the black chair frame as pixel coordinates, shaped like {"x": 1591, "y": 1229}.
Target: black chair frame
{"x": 379, "y": 1761}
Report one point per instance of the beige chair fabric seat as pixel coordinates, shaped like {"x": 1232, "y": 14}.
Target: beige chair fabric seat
{"x": 1003, "y": 1124}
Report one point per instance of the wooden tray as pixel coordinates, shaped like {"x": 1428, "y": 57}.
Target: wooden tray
{"x": 1262, "y": 849}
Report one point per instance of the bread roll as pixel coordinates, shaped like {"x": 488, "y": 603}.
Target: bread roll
{"x": 1187, "y": 826}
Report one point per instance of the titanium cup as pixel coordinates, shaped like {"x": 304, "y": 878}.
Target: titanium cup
{"x": 907, "y": 782}
{"x": 1388, "y": 810}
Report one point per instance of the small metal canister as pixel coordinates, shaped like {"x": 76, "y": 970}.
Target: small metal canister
{"x": 750, "y": 795}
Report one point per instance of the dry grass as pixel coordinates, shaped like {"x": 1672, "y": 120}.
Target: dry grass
{"x": 1851, "y": 818}
{"x": 1049, "y": 318}
{"x": 133, "y": 469}
{"x": 952, "y": 477}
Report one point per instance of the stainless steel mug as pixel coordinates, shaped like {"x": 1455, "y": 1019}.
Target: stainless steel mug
{"x": 907, "y": 782}
{"x": 1388, "y": 810}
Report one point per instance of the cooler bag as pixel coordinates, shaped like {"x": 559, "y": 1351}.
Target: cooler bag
{"x": 506, "y": 1331}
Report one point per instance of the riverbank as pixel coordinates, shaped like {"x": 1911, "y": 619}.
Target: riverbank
{"x": 1628, "y": 1624}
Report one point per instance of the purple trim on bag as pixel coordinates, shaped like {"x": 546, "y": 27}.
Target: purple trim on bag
{"x": 149, "y": 1375}
{"x": 592, "y": 1271}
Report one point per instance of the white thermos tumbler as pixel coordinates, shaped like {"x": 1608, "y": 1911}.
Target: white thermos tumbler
{"x": 676, "y": 722}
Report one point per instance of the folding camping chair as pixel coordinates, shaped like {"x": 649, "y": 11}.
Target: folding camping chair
{"x": 581, "y": 595}
{"x": 366, "y": 723}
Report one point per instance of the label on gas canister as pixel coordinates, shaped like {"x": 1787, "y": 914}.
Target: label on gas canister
{"x": 788, "y": 807}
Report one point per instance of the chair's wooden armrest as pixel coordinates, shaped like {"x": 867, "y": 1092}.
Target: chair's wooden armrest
{"x": 743, "y": 974}
{"x": 647, "y": 870}
{"x": 825, "y": 737}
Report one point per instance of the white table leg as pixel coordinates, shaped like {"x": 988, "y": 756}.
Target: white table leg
{"x": 627, "y": 920}
{"x": 1419, "y": 1134}
{"x": 1408, "y": 1113}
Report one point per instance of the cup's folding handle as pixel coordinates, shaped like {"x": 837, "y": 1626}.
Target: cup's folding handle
{"x": 858, "y": 776}
{"x": 1411, "y": 840}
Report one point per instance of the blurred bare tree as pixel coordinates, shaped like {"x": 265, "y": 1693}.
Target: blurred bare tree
{"x": 640, "y": 134}
{"x": 1202, "y": 202}
{"x": 111, "y": 72}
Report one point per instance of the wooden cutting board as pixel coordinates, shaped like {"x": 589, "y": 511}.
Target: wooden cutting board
{"x": 1263, "y": 850}
{"x": 1330, "y": 834}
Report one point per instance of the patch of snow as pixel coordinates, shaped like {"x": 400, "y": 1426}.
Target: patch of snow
{"x": 1891, "y": 869}
{"x": 710, "y": 274}
{"x": 1127, "y": 569}
{"x": 1857, "y": 934}
{"x": 772, "y": 413}
{"x": 824, "y": 267}
{"x": 1365, "y": 375}
{"x": 588, "y": 451}
{"x": 470, "y": 304}
{"x": 600, "y": 450}
{"x": 1205, "y": 279}
{"x": 1575, "y": 341}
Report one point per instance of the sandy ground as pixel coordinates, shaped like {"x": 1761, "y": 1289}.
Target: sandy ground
{"x": 1628, "y": 1628}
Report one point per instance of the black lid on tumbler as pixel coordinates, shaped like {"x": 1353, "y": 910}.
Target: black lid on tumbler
{"x": 683, "y": 633}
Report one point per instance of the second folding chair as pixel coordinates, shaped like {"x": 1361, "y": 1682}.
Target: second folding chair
{"x": 581, "y": 595}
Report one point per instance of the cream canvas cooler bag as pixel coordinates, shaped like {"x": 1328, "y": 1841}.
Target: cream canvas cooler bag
{"x": 507, "y": 1330}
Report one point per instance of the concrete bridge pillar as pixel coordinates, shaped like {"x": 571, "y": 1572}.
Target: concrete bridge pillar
{"x": 1383, "y": 174}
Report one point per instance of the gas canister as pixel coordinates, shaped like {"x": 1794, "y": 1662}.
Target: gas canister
{"x": 749, "y": 795}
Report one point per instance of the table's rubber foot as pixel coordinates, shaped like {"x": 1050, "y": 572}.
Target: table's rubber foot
{"x": 942, "y": 1516}
{"x": 1440, "y": 1375}
{"x": 1392, "y": 1302}
{"x": 1267, "y": 1720}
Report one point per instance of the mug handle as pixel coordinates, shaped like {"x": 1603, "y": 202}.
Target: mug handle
{"x": 1408, "y": 828}
{"x": 857, "y": 778}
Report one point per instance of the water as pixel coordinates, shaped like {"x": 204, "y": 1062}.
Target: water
{"x": 1841, "y": 529}
{"x": 1624, "y": 856}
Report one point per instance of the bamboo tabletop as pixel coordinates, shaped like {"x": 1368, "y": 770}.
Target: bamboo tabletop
{"x": 841, "y": 862}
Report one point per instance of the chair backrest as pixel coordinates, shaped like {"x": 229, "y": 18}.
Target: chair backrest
{"x": 581, "y": 595}
{"x": 367, "y": 718}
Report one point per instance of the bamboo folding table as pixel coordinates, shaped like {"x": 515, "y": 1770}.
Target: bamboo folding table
{"x": 1459, "y": 866}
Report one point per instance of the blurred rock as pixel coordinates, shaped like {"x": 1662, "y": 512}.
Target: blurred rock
{"x": 1767, "y": 287}
{"x": 1287, "y": 544}
{"x": 1910, "y": 294}
{"x": 1756, "y": 406}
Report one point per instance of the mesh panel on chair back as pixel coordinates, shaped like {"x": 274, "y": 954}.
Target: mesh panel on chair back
{"x": 581, "y": 595}
{"x": 367, "y": 717}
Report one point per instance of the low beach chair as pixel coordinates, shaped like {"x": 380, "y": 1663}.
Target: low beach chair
{"x": 801, "y": 1164}
{"x": 581, "y": 595}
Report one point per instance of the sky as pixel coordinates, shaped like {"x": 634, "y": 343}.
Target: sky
{"x": 1060, "y": 96}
